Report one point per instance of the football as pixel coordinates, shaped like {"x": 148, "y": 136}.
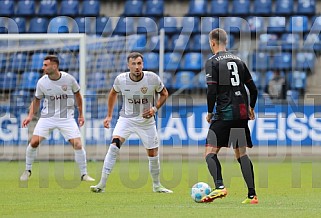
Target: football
{"x": 199, "y": 190}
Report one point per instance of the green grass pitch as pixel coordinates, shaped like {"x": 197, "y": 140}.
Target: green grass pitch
{"x": 285, "y": 189}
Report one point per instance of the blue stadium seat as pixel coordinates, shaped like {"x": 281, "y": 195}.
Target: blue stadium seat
{"x": 59, "y": 25}
{"x": 282, "y": 61}
{"x": 192, "y": 61}
{"x": 268, "y": 42}
{"x": 21, "y": 98}
{"x": 297, "y": 80}
{"x": 97, "y": 81}
{"x": 3, "y": 60}
{"x": 276, "y": 24}
{"x": 241, "y": 7}
{"x": 233, "y": 24}
{"x": 10, "y": 25}
{"x": 141, "y": 43}
{"x": 154, "y": 8}
{"x": 290, "y": 41}
{"x": 125, "y": 26}
{"x": 151, "y": 61}
{"x": 292, "y": 96}
{"x": 104, "y": 25}
{"x": 305, "y": 61}
{"x": 262, "y": 7}
{"x": 208, "y": 24}
{"x": 69, "y": 7}
{"x": 306, "y": 7}
{"x": 21, "y": 23}
{"x": 169, "y": 24}
{"x": 8, "y": 81}
{"x": 154, "y": 43}
{"x": 197, "y": 8}
{"x": 184, "y": 79}
{"x": 3, "y": 25}
{"x": 104, "y": 62}
{"x": 315, "y": 24}
{"x": 190, "y": 24}
{"x": 255, "y": 24}
{"x": 218, "y": 8}
{"x": 230, "y": 41}
{"x": 172, "y": 61}
{"x": 29, "y": 80}
{"x": 64, "y": 61}
{"x": 81, "y": 25}
{"x": 298, "y": 24}
{"x": 90, "y": 8}
{"x": 38, "y": 25}
{"x": 26, "y": 8}
{"x": 312, "y": 42}
{"x": 6, "y": 7}
{"x": 19, "y": 62}
{"x": 167, "y": 79}
{"x": 133, "y": 8}
{"x": 260, "y": 61}
{"x": 200, "y": 43}
{"x": 180, "y": 42}
{"x": 48, "y": 8}
{"x": 284, "y": 7}
{"x": 37, "y": 61}
{"x": 146, "y": 25}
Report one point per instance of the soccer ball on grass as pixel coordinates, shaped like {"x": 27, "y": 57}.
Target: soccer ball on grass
{"x": 199, "y": 190}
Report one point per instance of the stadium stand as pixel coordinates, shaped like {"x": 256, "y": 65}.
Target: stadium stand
{"x": 284, "y": 7}
{"x": 133, "y": 8}
{"x": 154, "y": 8}
{"x": 48, "y": 8}
{"x": 197, "y": 8}
{"x": 38, "y": 25}
{"x": 241, "y": 7}
{"x": 262, "y": 7}
{"x": 7, "y": 7}
{"x": 25, "y": 8}
{"x": 90, "y": 8}
{"x": 69, "y": 7}
{"x": 219, "y": 8}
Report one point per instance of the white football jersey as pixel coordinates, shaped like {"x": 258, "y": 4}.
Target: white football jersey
{"x": 139, "y": 95}
{"x": 58, "y": 95}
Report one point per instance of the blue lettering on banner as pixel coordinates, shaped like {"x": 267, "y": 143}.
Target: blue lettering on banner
{"x": 274, "y": 125}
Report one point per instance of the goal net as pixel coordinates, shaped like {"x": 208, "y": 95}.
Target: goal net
{"x": 93, "y": 61}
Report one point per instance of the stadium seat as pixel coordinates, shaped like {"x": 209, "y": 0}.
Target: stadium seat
{"x": 21, "y": 23}
{"x": 315, "y": 24}
{"x": 69, "y": 7}
{"x": 3, "y": 60}
{"x": 29, "y": 80}
{"x": 133, "y": 8}
{"x": 268, "y": 42}
{"x": 200, "y": 43}
{"x": 305, "y": 61}
{"x": 298, "y": 24}
{"x": 64, "y": 61}
{"x": 19, "y": 62}
{"x": 38, "y": 25}
{"x": 154, "y": 8}
{"x": 21, "y": 99}
{"x": 3, "y": 25}
{"x": 8, "y": 81}
{"x": 48, "y": 8}
{"x": 255, "y": 24}
{"x": 260, "y": 61}
{"x": 276, "y": 25}
{"x": 208, "y": 24}
{"x": 147, "y": 25}
{"x": 169, "y": 24}
{"x": 290, "y": 41}
{"x": 172, "y": 61}
{"x": 37, "y": 61}
{"x": 125, "y": 26}
{"x": 306, "y": 7}
{"x": 97, "y": 81}
{"x": 184, "y": 79}
{"x": 104, "y": 25}
{"x": 240, "y": 7}
{"x": 81, "y": 25}
{"x": 297, "y": 80}
{"x": 26, "y": 8}
{"x": 262, "y": 7}
{"x": 7, "y": 7}
{"x": 58, "y": 25}
{"x": 192, "y": 61}
{"x": 151, "y": 61}
{"x": 292, "y": 96}
{"x": 190, "y": 24}
{"x": 282, "y": 61}
{"x": 104, "y": 62}
{"x": 230, "y": 41}
{"x": 167, "y": 79}
{"x": 90, "y": 8}
{"x": 140, "y": 44}
{"x": 154, "y": 43}
{"x": 233, "y": 24}
{"x": 283, "y": 7}
{"x": 219, "y": 8}
{"x": 312, "y": 42}
{"x": 197, "y": 8}
{"x": 180, "y": 42}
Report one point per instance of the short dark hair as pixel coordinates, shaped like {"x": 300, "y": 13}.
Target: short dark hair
{"x": 52, "y": 58}
{"x": 218, "y": 35}
{"x": 134, "y": 55}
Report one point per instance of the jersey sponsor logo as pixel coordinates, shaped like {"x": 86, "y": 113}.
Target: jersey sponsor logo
{"x": 143, "y": 90}
{"x": 58, "y": 97}
{"x": 138, "y": 101}
{"x": 64, "y": 87}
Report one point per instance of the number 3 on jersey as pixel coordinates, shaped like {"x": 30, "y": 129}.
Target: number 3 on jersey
{"x": 231, "y": 66}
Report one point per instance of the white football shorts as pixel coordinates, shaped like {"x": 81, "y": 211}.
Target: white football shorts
{"x": 67, "y": 127}
{"x": 147, "y": 134}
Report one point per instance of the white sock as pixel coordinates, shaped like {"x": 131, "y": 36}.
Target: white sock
{"x": 154, "y": 169}
{"x": 80, "y": 158}
{"x": 109, "y": 162}
{"x": 31, "y": 154}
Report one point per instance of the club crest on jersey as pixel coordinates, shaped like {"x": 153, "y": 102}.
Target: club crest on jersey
{"x": 143, "y": 90}
{"x": 64, "y": 87}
